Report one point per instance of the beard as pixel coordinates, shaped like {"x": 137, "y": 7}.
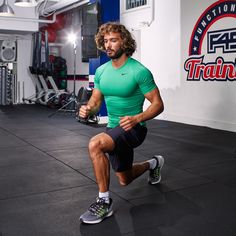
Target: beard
{"x": 117, "y": 54}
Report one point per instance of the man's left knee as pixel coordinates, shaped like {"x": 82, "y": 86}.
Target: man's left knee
{"x": 123, "y": 183}
{"x": 124, "y": 180}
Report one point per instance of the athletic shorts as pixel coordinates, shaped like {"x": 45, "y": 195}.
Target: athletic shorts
{"x": 121, "y": 157}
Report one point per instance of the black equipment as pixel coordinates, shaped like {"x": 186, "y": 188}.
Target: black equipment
{"x": 47, "y": 65}
{"x": 47, "y": 91}
{"x": 33, "y": 68}
{"x": 36, "y": 67}
{"x": 83, "y": 97}
{"x": 71, "y": 102}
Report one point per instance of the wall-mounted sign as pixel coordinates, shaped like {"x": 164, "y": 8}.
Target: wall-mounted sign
{"x": 212, "y": 45}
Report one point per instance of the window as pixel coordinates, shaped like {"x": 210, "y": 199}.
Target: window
{"x": 130, "y": 4}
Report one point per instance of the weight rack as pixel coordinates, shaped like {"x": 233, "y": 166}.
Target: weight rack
{"x": 8, "y": 86}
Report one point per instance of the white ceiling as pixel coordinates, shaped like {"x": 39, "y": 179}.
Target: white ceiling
{"x": 55, "y": 5}
{"x": 26, "y": 19}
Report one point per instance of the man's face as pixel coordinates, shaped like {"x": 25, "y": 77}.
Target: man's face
{"x": 113, "y": 45}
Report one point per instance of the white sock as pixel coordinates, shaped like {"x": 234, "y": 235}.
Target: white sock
{"x": 104, "y": 195}
{"x": 152, "y": 163}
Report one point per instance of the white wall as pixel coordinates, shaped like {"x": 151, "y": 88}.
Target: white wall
{"x": 164, "y": 49}
{"x": 208, "y": 103}
{"x": 25, "y": 82}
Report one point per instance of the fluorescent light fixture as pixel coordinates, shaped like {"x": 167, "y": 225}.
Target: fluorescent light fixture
{"x": 5, "y": 9}
{"x": 25, "y": 3}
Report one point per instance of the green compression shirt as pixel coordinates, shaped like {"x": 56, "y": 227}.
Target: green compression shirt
{"x": 123, "y": 89}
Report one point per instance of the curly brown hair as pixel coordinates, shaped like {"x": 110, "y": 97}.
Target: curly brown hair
{"x": 129, "y": 44}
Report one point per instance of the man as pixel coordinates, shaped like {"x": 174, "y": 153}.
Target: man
{"x": 124, "y": 83}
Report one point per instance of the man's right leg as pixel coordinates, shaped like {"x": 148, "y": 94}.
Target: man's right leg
{"x": 102, "y": 208}
{"x": 98, "y": 146}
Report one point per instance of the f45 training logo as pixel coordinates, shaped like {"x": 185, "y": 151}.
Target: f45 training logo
{"x": 220, "y": 44}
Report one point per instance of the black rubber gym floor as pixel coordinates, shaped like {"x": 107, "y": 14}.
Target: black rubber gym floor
{"x": 47, "y": 181}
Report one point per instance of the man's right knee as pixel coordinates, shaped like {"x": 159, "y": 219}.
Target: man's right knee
{"x": 100, "y": 143}
{"x": 94, "y": 145}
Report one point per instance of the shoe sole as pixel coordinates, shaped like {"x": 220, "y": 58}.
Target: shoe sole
{"x": 161, "y": 163}
{"x": 97, "y": 221}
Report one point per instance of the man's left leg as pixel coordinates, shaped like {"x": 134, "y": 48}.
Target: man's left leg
{"x": 126, "y": 177}
{"x": 122, "y": 159}
{"x": 154, "y": 165}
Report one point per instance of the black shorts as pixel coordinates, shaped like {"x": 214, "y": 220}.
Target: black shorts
{"x": 121, "y": 157}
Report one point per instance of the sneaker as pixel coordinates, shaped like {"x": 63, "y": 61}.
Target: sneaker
{"x": 97, "y": 212}
{"x": 155, "y": 174}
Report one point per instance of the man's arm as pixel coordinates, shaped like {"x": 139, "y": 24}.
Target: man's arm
{"x": 93, "y": 104}
{"x": 156, "y": 107}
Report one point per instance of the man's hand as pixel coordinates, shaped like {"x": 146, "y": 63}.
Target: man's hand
{"x": 128, "y": 122}
{"x": 84, "y": 111}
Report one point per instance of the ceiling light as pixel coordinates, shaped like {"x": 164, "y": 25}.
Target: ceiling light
{"x": 5, "y": 9}
{"x": 25, "y": 3}
{"x": 72, "y": 38}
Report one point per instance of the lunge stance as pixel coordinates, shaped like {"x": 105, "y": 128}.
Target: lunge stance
{"x": 124, "y": 83}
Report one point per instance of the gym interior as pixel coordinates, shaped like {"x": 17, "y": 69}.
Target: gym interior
{"x": 48, "y": 59}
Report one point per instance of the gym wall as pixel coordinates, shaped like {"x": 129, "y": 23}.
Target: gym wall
{"x": 164, "y": 49}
